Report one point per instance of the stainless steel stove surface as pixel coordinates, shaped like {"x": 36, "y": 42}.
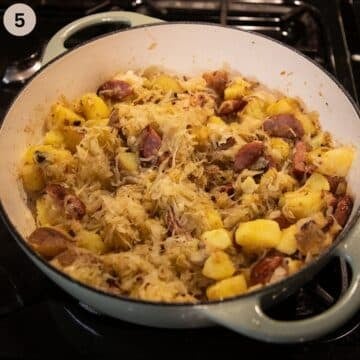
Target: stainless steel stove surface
{"x": 38, "y": 320}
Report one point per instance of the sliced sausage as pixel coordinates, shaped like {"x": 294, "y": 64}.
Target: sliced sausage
{"x": 247, "y": 155}
{"x": 217, "y": 80}
{"x": 74, "y": 207}
{"x": 230, "y": 106}
{"x": 338, "y": 184}
{"x": 263, "y": 270}
{"x": 150, "y": 142}
{"x": 343, "y": 209}
{"x": 283, "y": 221}
{"x": 300, "y": 167}
{"x": 67, "y": 257}
{"x": 115, "y": 90}
{"x": 230, "y": 142}
{"x": 285, "y": 126}
{"x": 56, "y": 191}
{"x": 48, "y": 242}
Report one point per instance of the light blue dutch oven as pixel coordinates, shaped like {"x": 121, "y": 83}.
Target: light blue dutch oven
{"x": 187, "y": 48}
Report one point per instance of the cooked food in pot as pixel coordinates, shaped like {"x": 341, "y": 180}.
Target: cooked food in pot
{"x": 184, "y": 189}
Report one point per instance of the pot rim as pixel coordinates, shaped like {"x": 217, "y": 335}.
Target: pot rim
{"x": 261, "y": 291}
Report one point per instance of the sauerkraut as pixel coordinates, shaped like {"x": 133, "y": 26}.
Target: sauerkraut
{"x": 184, "y": 189}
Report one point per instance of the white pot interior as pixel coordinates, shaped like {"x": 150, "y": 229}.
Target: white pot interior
{"x": 182, "y": 48}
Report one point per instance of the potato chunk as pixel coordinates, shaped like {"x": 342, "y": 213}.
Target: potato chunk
{"x": 257, "y": 235}
{"x": 166, "y": 83}
{"x": 233, "y": 286}
{"x": 294, "y": 266}
{"x": 317, "y": 182}
{"x": 32, "y": 177}
{"x": 236, "y": 90}
{"x": 217, "y": 120}
{"x": 283, "y": 106}
{"x": 94, "y": 107}
{"x": 288, "y": 244}
{"x": 307, "y": 121}
{"x": 255, "y": 109}
{"x": 90, "y": 241}
{"x": 279, "y": 148}
{"x": 335, "y": 162}
{"x": 54, "y": 138}
{"x": 128, "y": 161}
{"x": 218, "y": 266}
{"x": 216, "y": 239}
{"x": 61, "y": 116}
{"x": 301, "y": 203}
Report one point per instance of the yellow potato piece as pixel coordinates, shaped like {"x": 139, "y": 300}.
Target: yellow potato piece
{"x": 288, "y": 244}
{"x": 94, "y": 107}
{"x": 256, "y": 108}
{"x": 218, "y": 239}
{"x": 128, "y": 161}
{"x": 279, "y": 148}
{"x": 61, "y": 116}
{"x": 294, "y": 266}
{"x": 216, "y": 120}
{"x": 257, "y": 235}
{"x": 218, "y": 266}
{"x": 166, "y": 83}
{"x": 307, "y": 122}
{"x": 201, "y": 135}
{"x": 72, "y": 137}
{"x": 335, "y": 162}
{"x": 54, "y": 138}
{"x": 233, "y": 286}
{"x": 236, "y": 90}
{"x": 90, "y": 241}
{"x": 283, "y": 106}
{"x": 300, "y": 204}
{"x": 317, "y": 182}
{"x": 32, "y": 177}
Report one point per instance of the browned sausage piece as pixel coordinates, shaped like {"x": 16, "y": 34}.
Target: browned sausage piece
{"x": 74, "y": 207}
{"x": 48, "y": 242}
{"x": 247, "y": 155}
{"x": 56, "y": 191}
{"x": 263, "y": 270}
{"x": 283, "y": 221}
{"x": 67, "y": 257}
{"x": 343, "y": 209}
{"x": 284, "y": 125}
{"x": 230, "y": 142}
{"x": 150, "y": 142}
{"x": 300, "y": 167}
{"x": 230, "y": 106}
{"x": 114, "y": 90}
{"x": 216, "y": 80}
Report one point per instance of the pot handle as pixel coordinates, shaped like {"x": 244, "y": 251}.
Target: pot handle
{"x": 56, "y": 47}
{"x": 248, "y": 318}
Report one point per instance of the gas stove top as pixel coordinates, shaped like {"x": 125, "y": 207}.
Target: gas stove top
{"x": 38, "y": 319}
